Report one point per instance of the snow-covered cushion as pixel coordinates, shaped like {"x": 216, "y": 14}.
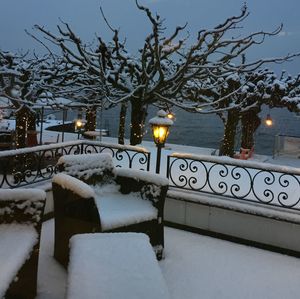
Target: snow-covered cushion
{"x": 87, "y": 165}
{"x": 17, "y": 242}
{"x": 114, "y": 266}
{"x": 117, "y": 209}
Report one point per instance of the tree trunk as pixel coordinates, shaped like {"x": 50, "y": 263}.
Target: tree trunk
{"x": 31, "y": 129}
{"x": 91, "y": 114}
{"x": 250, "y": 123}
{"x": 138, "y": 116}
{"x": 21, "y": 126}
{"x": 227, "y": 145}
{"x": 122, "y": 121}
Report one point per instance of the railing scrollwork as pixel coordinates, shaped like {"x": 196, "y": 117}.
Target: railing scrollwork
{"x": 32, "y": 165}
{"x": 256, "y": 182}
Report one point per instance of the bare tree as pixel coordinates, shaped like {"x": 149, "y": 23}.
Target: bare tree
{"x": 166, "y": 70}
{"x": 270, "y": 90}
{"x": 238, "y": 99}
{"x": 164, "y": 67}
{"x": 26, "y": 80}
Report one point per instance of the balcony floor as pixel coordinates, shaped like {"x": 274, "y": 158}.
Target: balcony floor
{"x": 196, "y": 267}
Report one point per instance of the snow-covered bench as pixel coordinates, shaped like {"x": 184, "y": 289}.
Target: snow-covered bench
{"x": 114, "y": 200}
{"x": 21, "y": 212}
{"x": 114, "y": 266}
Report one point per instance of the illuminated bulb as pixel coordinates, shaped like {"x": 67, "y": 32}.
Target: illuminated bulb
{"x": 159, "y": 132}
{"x": 269, "y": 121}
{"x": 79, "y": 123}
{"x": 170, "y": 115}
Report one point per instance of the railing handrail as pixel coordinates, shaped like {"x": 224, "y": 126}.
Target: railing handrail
{"x": 236, "y": 162}
{"x": 27, "y": 150}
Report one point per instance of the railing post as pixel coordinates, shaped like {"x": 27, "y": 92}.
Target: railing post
{"x": 148, "y": 162}
{"x": 158, "y": 157}
{"x": 168, "y": 166}
{"x": 81, "y": 148}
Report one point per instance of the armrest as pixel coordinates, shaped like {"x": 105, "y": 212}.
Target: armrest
{"x": 151, "y": 186}
{"x": 74, "y": 198}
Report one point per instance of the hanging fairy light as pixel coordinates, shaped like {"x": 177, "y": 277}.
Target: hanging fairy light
{"x": 171, "y": 115}
{"x": 269, "y": 121}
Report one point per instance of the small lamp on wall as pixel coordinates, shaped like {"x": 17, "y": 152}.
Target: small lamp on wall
{"x": 79, "y": 124}
{"x": 269, "y": 121}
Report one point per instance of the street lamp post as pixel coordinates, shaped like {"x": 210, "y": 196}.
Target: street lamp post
{"x": 160, "y": 125}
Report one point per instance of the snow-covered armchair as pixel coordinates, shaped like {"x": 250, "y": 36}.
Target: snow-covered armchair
{"x": 21, "y": 212}
{"x": 93, "y": 196}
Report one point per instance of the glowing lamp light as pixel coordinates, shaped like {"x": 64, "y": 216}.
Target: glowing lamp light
{"x": 269, "y": 121}
{"x": 160, "y": 125}
{"x": 78, "y": 124}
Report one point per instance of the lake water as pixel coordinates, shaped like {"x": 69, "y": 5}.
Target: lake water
{"x": 207, "y": 130}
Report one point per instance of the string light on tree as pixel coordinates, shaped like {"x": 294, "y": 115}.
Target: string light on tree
{"x": 171, "y": 115}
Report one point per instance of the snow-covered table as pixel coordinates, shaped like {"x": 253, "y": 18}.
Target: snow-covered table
{"x": 114, "y": 266}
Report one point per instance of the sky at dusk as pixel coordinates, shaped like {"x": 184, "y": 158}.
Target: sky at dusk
{"x": 85, "y": 19}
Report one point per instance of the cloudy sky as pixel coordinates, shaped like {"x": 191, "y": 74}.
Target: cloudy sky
{"x": 84, "y": 17}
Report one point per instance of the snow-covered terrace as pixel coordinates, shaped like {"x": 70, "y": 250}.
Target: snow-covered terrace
{"x": 197, "y": 266}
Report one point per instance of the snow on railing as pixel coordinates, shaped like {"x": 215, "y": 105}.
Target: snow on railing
{"x": 26, "y": 166}
{"x": 244, "y": 180}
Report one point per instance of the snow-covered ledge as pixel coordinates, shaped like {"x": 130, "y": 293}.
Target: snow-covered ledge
{"x": 246, "y": 222}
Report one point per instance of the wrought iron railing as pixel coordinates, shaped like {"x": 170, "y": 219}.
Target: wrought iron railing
{"x": 244, "y": 180}
{"x": 23, "y": 167}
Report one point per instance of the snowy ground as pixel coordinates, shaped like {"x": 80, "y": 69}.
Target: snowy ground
{"x": 196, "y": 267}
